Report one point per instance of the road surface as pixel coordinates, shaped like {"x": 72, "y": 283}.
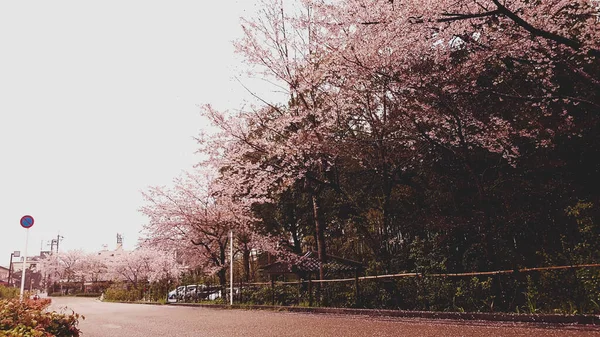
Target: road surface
{"x": 137, "y": 320}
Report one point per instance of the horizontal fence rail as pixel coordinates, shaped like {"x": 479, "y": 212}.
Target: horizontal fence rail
{"x": 566, "y": 289}
{"x": 479, "y": 273}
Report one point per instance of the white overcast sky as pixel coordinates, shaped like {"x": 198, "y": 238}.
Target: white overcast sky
{"x": 98, "y": 100}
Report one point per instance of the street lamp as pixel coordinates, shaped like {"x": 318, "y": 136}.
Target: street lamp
{"x": 10, "y": 267}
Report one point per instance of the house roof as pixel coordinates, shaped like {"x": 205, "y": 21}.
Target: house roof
{"x": 1, "y": 267}
{"x": 309, "y": 262}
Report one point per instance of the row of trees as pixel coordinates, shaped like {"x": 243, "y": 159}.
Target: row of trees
{"x": 417, "y": 136}
{"x": 134, "y": 268}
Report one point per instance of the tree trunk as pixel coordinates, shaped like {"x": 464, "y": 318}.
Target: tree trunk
{"x": 246, "y": 260}
{"x": 320, "y": 233}
{"x": 222, "y": 274}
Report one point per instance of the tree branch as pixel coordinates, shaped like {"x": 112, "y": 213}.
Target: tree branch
{"x": 457, "y": 16}
{"x": 574, "y": 44}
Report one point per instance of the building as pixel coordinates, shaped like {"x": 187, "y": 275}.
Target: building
{"x": 32, "y": 262}
{"x": 33, "y": 276}
{"x": 108, "y": 255}
{"x": 4, "y": 275}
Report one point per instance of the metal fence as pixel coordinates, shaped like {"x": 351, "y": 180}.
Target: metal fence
{"x": 571, "y": 289}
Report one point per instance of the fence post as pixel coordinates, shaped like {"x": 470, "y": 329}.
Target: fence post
{"x": 356, "y": 290}
{"x": 310, "y": 293}
{"x": 298, "y": 296}
{"x": 272, "y": 290}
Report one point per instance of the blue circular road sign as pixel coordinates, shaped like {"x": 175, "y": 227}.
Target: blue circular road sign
{"x": 27, "y": 221}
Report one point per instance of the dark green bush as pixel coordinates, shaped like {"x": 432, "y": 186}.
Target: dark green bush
{"x": 75, "y": 294}
{"x": 556, "y": 291}
{"x": 264, "y": 295}
{"x": 87, "y": 295}
{"x": 116, "y": 293}
{"x": 8, "y": 293}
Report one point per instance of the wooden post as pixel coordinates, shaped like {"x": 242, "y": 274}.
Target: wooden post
{"x": 310, "y": 292}
{"x": 272, "y": 290}
{"x": 298, "y": 296}
{"x": 318, "y": 291}
{"x": 240, "y": 291}
{"x": 356, "y": 290}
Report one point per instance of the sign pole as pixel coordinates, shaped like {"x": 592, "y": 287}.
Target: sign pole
{"x": 23, "y": 265}
{"x": 26, "y": 222}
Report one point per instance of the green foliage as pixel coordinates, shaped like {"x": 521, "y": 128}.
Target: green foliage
{"x": 531, "y": 296}
{"x": 219, "y": 300}
{"x": 583, "y": 246}
{"x": 157, "y": 291}
{"x": 260, "y": 295}
{"x": 264, "y": 295}
{"x": 30, "y": 318}
{"x": 552, "y": 291}
{"x": 75, "y": 295}
{"x": 428, "y": 293}
{"x": 8, "y": 293}
{"x": 121, "y": 294}
{"x": 576, "y": 290}
{"x": 565, "y": 291}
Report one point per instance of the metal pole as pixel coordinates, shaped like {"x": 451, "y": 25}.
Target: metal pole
{"x": 231, "y": 267}
{"x": 10, "y": 270}
{"x": 23, "y": 266}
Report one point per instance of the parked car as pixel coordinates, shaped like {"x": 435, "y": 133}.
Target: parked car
{"x": 191, "y": 292}
{"x": 176, "y": 295}
{"x": 196, "y": 292}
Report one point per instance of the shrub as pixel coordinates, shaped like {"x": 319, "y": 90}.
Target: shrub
{"x": 120, "y": 294}
{"x": 75, "y": 295}
{"x": 8, "y": 293}
{"x": 87, "y": 295}
{"x": 30, "y": 318}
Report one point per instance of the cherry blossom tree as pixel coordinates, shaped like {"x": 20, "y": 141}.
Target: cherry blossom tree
{"x": 389, "y": 89}
{"x": 141, "y": 266}
{"x": 95, "y": 268}
{"x": 194, "y": 219}
{"x": 68, "y": 266}
{"x": 435, "y": 63}
{"x": 413, "y": 119}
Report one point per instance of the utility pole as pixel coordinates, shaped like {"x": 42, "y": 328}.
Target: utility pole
{"x": 10, "y": 267}
{"x": 58, "y": 238}
{"x": 54, "y": 243}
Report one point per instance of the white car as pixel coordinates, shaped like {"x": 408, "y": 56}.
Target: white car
{"x": 176, "y": 295}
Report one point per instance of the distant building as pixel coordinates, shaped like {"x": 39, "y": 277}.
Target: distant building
{"x": 32, "y": 262}
{"x": 108, "y": 255}
{"x": 4, "y": 274}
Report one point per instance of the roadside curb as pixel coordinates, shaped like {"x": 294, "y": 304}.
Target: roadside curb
{"x": 473, "y": 316}
{"x": 136, "y": 302}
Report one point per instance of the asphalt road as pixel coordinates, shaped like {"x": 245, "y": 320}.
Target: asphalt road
{"x": 137, "y": 320}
